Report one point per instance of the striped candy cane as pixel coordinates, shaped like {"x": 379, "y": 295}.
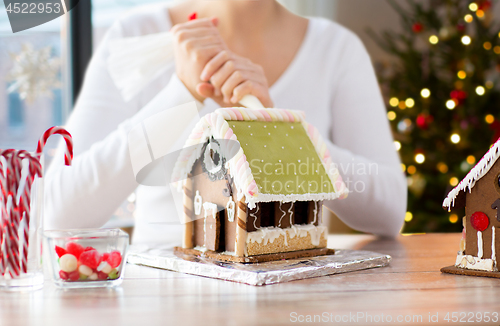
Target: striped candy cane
{"x": 68, "y": 155}
{"x": 35, "y": 169}
{"x": 14, "y": 167}
{"x": 3, "y": 214}
{"x": 6, "y": 213}
{"x": 14, "y": 212}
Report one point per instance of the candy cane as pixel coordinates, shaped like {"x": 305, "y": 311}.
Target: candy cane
{"x": 35, "y": 169}
{"x": 3, "y": 214}
{"x": 68, "y": 155}
{"x": 14, "y": 212}
{"x": 14, "y": 167}
{"x": 6, "y": 214}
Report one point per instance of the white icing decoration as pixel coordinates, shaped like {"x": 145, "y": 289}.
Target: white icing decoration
{"x": 255, "y": 217}
{"x": 479, "y": 244}
{"x": 477, "y": 172}
{"x": 476, "y": 263}
{"x": 284, "y": 213}
{"x": 266, "y": 198}
{"x": 315, "y": 212}
{"x": 291, "y": 214}
{"x": 230, "y": 209}
{"x": 269, "y": 234}
{"x": 493, "y": 249}
{"x": 197, "y": 203}
{"x": 207, "y": 158}
{"x": 210, "y": 207}
{"x": 266, "y": 235}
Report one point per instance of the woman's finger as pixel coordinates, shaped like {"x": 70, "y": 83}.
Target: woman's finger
{"x": 236, "y": 78}
{"x": 215, "y": 64}
{"x": 197, "y": 44}
{"x": 187, "y": 34}
{"x": 197, "y": 23}
{"x": 201, "y": 56}
{"x": 228, "y": 68}
{"x": 253, "y": 88}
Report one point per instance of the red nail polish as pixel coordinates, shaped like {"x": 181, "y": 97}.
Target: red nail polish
{"x": 193, "y": 16}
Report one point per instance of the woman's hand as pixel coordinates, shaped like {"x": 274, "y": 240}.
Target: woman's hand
{"x": 195, "y": 43}
{"x": 231, "y": 77}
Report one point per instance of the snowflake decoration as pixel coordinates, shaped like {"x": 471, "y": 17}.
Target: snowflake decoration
{"x": 35, "y": 73}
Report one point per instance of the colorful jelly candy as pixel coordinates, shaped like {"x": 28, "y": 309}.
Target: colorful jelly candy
{"x": 102, "y": 276}
{"x": 60, "y": 251}
{"x": 74, "y": 276}
{"x": 114, "y": 274}
{"x": 68, "y": 263}
{"x": 90, "y": 258}
{"x": 104, "y": 267}
{"x": 63, "y": 275}
{"x": 75, "y": 249}
{"x": 115, "y": 259}
{"x": 78, "y": 263}
{"x": 85, "y": 270}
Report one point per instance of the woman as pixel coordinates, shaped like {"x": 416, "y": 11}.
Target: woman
{"x": 233, "y": 48}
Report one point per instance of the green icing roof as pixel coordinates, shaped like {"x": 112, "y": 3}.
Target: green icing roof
{"x": 282, "y": 158}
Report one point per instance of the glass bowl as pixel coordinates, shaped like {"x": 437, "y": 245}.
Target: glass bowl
{"x": 87, "y": 257}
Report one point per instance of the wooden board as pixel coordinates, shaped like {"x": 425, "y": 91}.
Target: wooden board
{"x": 258, "y": 258}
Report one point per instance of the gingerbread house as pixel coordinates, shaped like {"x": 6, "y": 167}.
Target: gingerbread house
{"x": 479, "y": 193}
{"x": 254, "y": 182}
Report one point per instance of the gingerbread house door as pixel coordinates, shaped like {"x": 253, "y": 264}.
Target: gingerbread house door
{"x": 213, "y": 228}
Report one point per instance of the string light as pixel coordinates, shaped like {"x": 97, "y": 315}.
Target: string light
{"x": 473, "y": 6}
{"x": 391, "y": 115}
{"x": 480, "y": 13}
{"x": 450, "y": 104}
{"x": 489, "y": 119}
{"x": 403, "y": 167}
{"x": 489, "y": 84}
{"x": 409, "y": 102}
{"x": 442, "y": 167}
{"x": 412, "y": 169}
{"x": 453, "y": 218}
{"x": 455, "y": 138}
{"x": 497, "y": 49}
{"x": 402, "y": 105}
{"x": 433, "y": 39}
{"x": 397, "y": 145}
{"x": 487, "y": 45}
{"x": 425, "y": 93}
{"x": 453, "y": 181}
{"x": 408, "y": 216}
{"x": 420, "y": 158}
{"x": 468, "y": 18}
{"x": 394, "y": 102}
{"x": 462, "y": 74}
{"x": 480, "y": 90}
{"x": 471, "y": 159}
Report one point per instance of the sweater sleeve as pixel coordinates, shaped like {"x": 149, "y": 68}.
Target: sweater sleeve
{"x": 86, "y": 194}
{"x": 364, "y": 150}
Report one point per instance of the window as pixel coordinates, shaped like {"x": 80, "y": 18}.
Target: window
{"x": 105, "y": 12}
{"x": 23, "y": 120}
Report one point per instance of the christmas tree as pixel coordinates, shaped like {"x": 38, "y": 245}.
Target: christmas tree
{"x": 443, "y": 95}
